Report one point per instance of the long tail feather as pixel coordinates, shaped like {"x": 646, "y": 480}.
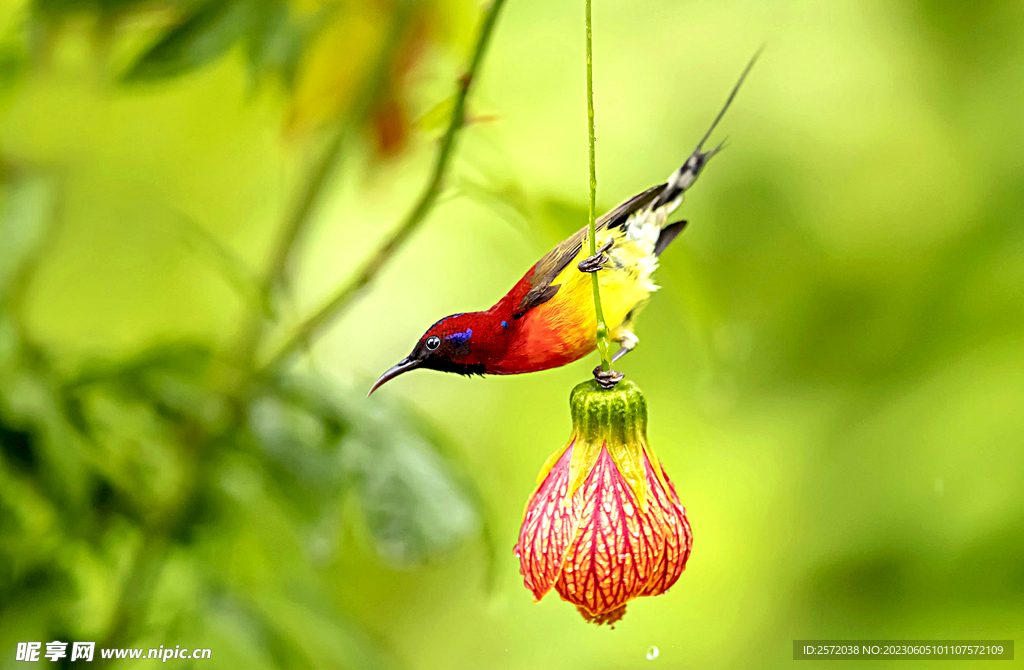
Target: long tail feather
{"x": 683, "y": 178}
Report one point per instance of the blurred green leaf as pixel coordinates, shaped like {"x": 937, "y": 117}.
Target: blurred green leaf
{"x": 26, "y": 211}
{"x": 187, "y": 359}
{"x": 205, "y": 34}
{"x": 437, "y": 117}
{"x": 273, "y": 41}
{"x": 32, "y": 412}
{"x": 62, "y": 7}
{"x": 135, "y": 450}
{"x": 299, "y": 446}
{"x": 316, "y": 441}
{"x": 324, "y": 641}
{"x": 175, "y": 378}
{"x": 414, "y": 505}
{"x": 12, "y": 64}
{"x": 461, "y": 471}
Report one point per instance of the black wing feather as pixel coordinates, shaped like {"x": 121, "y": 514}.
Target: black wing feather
{"x": 668, "y": 233}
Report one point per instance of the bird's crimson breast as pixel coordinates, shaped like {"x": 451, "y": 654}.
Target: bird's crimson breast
{"x": 550, "y": 335}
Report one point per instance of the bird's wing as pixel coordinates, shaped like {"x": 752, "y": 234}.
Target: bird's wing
{"x": 556, "y": 260}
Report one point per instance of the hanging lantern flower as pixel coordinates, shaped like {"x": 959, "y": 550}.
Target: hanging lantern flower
{"x": 605, "y": 524}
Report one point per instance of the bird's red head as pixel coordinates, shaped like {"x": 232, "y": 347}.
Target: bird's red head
{"x": 453, "y": 344}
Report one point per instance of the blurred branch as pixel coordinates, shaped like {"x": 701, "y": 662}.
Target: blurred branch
{"x": 344, "y": 296}
{"x": 136, "y": 592}
{"x": 301, "y": 215}
{"x": 210, "y": 251}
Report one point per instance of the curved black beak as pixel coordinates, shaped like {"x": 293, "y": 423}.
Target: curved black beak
{"x": 404, "y": 365}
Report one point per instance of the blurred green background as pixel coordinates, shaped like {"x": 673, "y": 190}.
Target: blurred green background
{"x": 834, "y": 366}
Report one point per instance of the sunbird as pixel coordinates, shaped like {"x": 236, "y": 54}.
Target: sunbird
{"x": 548, "y": 318}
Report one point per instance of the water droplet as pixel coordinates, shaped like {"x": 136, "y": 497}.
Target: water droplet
{"x": 607, "y": 507}
{"x": 515, "y": 551}
{"x": 652, "y": 653}
{"x": 628, "y": 509}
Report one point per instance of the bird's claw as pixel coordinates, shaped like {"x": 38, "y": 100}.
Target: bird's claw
{"x": 593, "y": 263}
{"x": 607, "y": 379}
{"x": 597, "y": 261}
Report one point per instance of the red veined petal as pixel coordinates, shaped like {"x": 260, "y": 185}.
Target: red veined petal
{"x": 617, "y": 546}
{"x": 548, "y": 529}
{"x": 678, "y": 538}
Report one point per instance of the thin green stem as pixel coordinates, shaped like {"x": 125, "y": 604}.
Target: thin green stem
{"x": 300, "y": 215}
{"x": 603, "y": 345}
{"x": 343, "y": 297}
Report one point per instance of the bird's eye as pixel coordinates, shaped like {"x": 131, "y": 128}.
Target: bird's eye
{"x": 433, "y": 342}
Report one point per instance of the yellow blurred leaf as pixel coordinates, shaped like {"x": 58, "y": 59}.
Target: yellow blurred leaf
{"x": 332, "y": 69}
{"x": 437, "y": 116}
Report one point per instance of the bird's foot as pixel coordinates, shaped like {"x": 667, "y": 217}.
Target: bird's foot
{"x": 593, "y": 263}
{"x": 627, "y": 342}
{"x": 597, "y": 261}
{"x": 607, "y": 378}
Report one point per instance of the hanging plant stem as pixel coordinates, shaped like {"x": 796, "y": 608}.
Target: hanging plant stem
{"x": 603, "y": 345}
